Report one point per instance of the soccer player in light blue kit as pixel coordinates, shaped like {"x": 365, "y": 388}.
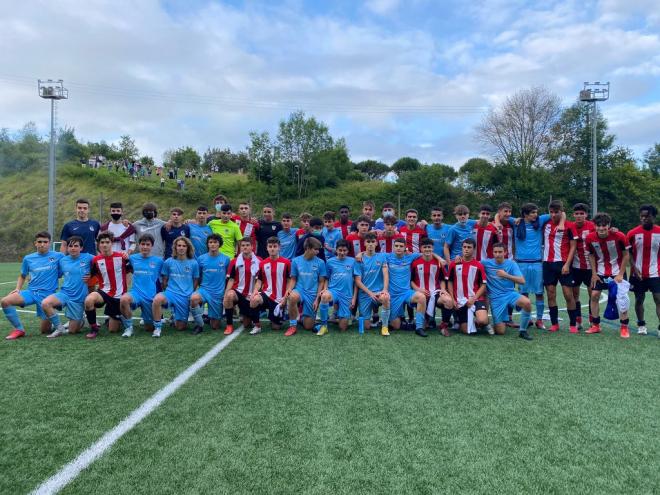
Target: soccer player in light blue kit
{"x": 307, "y": 281}
{"x": 287, "y": 237}
{"x": 458, "y": 232}
{"x": 331, "y": 234}
{"x": 146, "y": 273}
{"x": 180, "y": 279}
{"x": 372, "y": 279}
{"x": 75, "y": 269}
{"x": 502, "y": 275}
{"x": 341, "y": 289}
{"x": 199, "y": 231}
{"x": 437, "y": 231}
{"x": 213, "y": 270}
{"x": 41, "y": 268}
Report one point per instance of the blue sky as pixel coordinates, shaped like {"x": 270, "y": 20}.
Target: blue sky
{"x": 393, "y": 78}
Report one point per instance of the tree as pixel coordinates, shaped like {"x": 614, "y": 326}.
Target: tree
{"x": 183, "y": 157}
{"x": 68, "y": 147}
{"x": 373, "y": 169}
{"x": 223, "y": 160}
{"x": 260, "y": 157}
{"x": 127, "y": 148}
{"x": 447, "y": 171}
{"x": 477, "y": 174}
{"x": 147, "y": 160}
{"x": 652, "y": 160}
{"x": 518, "y": 131}
{"x": 405, "y": 164}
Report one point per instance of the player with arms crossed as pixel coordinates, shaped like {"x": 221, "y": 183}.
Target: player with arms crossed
{"x": 40, "y": 268}
{"x": 341, "y": 289}
{"x": 270, "y": 286}
{"x": 180, "y": 278}
{"x": 146, "y": 273}
{"x": 213, "y": 272}
{"x": 503, "y": 273}
{"x": 372, "y": 280}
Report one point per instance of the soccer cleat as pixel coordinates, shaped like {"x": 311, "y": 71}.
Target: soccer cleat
{"x": 197, "y": 330}
{"x": 444, "y": 326}
{"x": 15, "y": 334}
{"x": 445, "y": 332}
{"x": 573, "y": 329}
{"x": 421, "y": 332}
{"x": 624, "y": 332}
{"x": 554, "y": 328}
{"x": 92, "y": 334}
{"x": 540, "y": 325}
{"x": 255, "y": 330}
{"x": 593, "y": 329}
{"x": 128, "y": 332}
{"x": 156, "y": 333}
{"x": 291, "y": 331}
{"x": 525, "y": 336}
{"x": 229, "y": 329}
{"x": 512, "y": 324}
{"x": 323, "y": 329}
{"x": 489, "y": 329}
{"x": 58, "y": 332}
{"x": 642, "y": 330}
{"x": 432, "y": 325}
{"x": 385, "y": 332}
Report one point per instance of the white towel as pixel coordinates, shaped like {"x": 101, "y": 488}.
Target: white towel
{"x": 622, "y": 297}
{"x": 471, "y": 327}
{"x": 430, "y": 305}
{"x": 279, "y": 309}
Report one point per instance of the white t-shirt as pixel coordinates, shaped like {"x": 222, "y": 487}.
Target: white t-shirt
{"x": 118, "y": 229}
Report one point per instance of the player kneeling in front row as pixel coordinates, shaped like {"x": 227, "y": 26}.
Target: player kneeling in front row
{"x": 269, "y": 292}
{"x": 180, "y": 278}
{"x": 74, "y": 268}
{"x": 372, "y": 279}
{"x": 242, "y": 275}
{"x": 112, "y": 271}
{"x": 41, "y": 268}
{"x": 502, "y": 275}
{"x": 308, "y": 276}
{"x": 213, "y": 266}
{"x": 608, "y": 255}
{"x": 341, "y": 289}
{"x": 146, "y": 272}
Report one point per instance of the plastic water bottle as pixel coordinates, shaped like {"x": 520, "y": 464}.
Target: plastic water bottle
{"x": 361, "y": 325}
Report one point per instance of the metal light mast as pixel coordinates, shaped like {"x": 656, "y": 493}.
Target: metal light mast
{"x": 594, "y": 92}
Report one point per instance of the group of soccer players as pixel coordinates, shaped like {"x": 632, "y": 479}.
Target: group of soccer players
{"x": 386, "y": 272}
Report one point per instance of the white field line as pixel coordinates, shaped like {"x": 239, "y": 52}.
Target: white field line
{"x": 71, "y": 471}
{"x": 5, "y": 283}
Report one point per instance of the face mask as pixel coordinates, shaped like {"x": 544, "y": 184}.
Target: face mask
{"x": 148, "y": 214}
{"x": 218, "y": 207}
{"x": 116, "y": 216}
{"x": 388, "y": 213}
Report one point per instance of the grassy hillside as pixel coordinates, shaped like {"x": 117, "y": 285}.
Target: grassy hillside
{"x": 24, "y": 205}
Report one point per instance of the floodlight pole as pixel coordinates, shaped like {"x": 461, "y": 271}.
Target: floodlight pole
{"x": 594, "y": 92}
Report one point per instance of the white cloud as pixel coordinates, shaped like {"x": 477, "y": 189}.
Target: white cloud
{"x": 382, "y": 7}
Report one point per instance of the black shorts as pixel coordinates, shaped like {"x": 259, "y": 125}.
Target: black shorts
{"x": 244, "y": 308}
{"x": 639, "y": 286}
{"x": 461, "y": 314}
{"x": 111, "y": 305}
{"x": 270, "y": 305}
{"x": 581, "y": 276}
{"x": 552, "y": 274}
{"x": 602, "y": 285}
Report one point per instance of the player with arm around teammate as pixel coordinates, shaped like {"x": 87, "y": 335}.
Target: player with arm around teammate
{"x": 269, "y": 293}
{"x": 502, "y": 274}
{"x": 40, "y": 268}
{"x": 340, "y": 290}
{"x": 146, "y": 273}
{"x": 372, "y": 280}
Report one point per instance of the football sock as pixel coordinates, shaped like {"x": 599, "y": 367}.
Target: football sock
{"x": 572, "y": 317}
{"x": 411, "y": 312}
{"x": 524, "y": 320}
{"x": 385, "y": 316}
{"x": 324, "y": 309}
{"x": 510, "y": 314}
{"x": 229, "y": 315}
{"x": 641, "y": 323}
{"x": 446, "y": 315}
{"x": 54, "y": 320}
{"x": 578, "y": 309}
{"x": 625, "y": 322}
{"x": 554, "y": 315}
{"x": 128, "y": 322}
{"x": 419, "y": 320}
{"x": 91, "y": 317}
{"x": 158, "y": 324}
{"x": 293, "y": 323}
{"x": 13, "y": 318}
{"x": 540, "y": 306}
{"x": 197, "y": 313}
{"x": 596, "y": 320}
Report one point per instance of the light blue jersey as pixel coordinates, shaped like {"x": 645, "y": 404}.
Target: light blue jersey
{"x": 331, "y": 238}
{"x": 340, "y": 275}
{"x": 370, "y": 271}
{"x": 531, "y": 247}
{"x": 438, "y": 236}
{"x": 308, "y": 274}
{"x": 214, "y": 272}
{"x": 456, "y": 234}
{"x": 198, "y": 235}
{"x": 42, "y": 270}
{"x": 498, "y": 286}
{"x": 288, "y": 244}
{"x": 399, "y": 271}
{"x": 146, "y": 272}
{"x": 181, "y": 275}
{"x": 73, "y": 270}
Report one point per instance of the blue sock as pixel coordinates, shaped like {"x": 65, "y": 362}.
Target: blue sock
{"x": 540, "y": 306}
{"x": 293, "y": 323}
{"x": 324, "y": 309}
{"x": 385, "y": 316}
{"x": 12, "y": 316}
{"x": 158, "y": 324}
{"x": 55, "y": 320}
{"x": 197, "y": 315}
{"x": 419, "y": 320}
{"x": 524, "y": 320}
{"x": 128, "y": 322}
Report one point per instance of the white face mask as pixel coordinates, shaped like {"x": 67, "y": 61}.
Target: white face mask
{"x": 218, "y": 207}
{"x": 388, "y": 213}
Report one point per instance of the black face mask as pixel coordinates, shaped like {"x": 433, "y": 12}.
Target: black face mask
{"x": 116, "y": 216}
{"x": 149, "y": 214}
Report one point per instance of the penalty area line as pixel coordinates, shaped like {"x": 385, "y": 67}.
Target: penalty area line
{"x": 71, "y": 470}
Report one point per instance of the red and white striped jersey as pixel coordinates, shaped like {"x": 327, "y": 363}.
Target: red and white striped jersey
{"x": 466, "y": 277}
{"x": 505, "y": 236}
{"x": 248, "y": 228}
{"x": 607, "y": 251}
{"x": 556, "y": 243}
{"x": 244, "y": 272}
{"x": 427, "y": 274}
{"x": 111, "y": 271}
{"x": 345, "y": 228}
{"x": 645, "y": 248}
{"x": 300, "y": 233}
{"x": 355, "y": 244}
{"x": 485, "y": 237}
{"x": 412, "y": 237}
{"x": 386, "y": 243}
{"x": 581, "y": 258}
{"x": 274, "y": 275}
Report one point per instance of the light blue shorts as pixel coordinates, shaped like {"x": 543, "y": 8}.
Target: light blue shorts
{"x": 145, "y": 306}
{"x": 366, "y": 305}
{"x": 179, "y": 304}
{"x": 533, "y": 273}
{"x": 343, "y": 304}
{"x": 73, "y": 310}
{"x": 35, "y": 298}
{"x": 499, "y": 306}
{"x": 398, "y": 304}
{"x": 213, "y": 301}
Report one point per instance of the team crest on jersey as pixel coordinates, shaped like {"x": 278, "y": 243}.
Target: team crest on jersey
{"x": 187, "y": 269}
{"x": 82, "y": 263}
{"x": 91, "y": 228}
{"x": 272, "y": 227}
{"x": 51, "y": 258}
{"x": 315, "y": 268}
{"x": 152, "y": 265}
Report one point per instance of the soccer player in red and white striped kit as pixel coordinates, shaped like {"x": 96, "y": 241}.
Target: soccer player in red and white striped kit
{"x": 242, "y": 274}
{"x": 484, "y": 234}
{"x": 112, "y": 270}
{"x": 581, "y": 267}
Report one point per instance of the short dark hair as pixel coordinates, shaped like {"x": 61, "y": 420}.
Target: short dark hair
{"x": 214, "y": 237}
{"x": 315, "y": 222}
{"x": 106, "y": 234}
{"x": 225, "y": 208}
{"x": 286, "y": 215}
{"x": 399, "y": 240}
{"x": 363, "y": 219}
{"x": 245, "y": 239}
{"x": 329, "y": 215}
{"x": 116, "y": 205}
{"x": 499, "y": 245}
{"x": 461, "y": 210}
{"x": 146, "y": 238}
{"x": 176, "y": 209}
{"x": 504, "y": 204}
{"x": 341, "y": 243}
{"x": 387, "y": 204}
{"x": 555, "y": 204}
{"x": 268, "y": 205}
{"x": 202, "y": 208}
{"x": 42, "y": 234}
{"x": 469, "y": 241}
{"x": 75, "y": 239}
{"x": 368, "y": 203}
{"x": 527, "y": 208}
{"x": 426, "y": 242}
{"x": 82, "y": 201}
{"x": 370, "y": 236}
{"x": 311, "y": 243}
{"x": 411, "y": 210}
{"x": 581, "y": 207}
{"x": 220, "y": 197}
{"x": 390, "y": 220}
{"x": 486, "y": 207}
{"x": 344, "y": 207}
{"x": 273, "y": 240}
{"x": 653, "y": 211}
{"x": 437, "y": 208}
{"x": 305, "y": 217}
{"x": 602, "y": 218}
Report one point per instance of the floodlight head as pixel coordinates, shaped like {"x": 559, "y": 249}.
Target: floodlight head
{"x": 53, "y": 90}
